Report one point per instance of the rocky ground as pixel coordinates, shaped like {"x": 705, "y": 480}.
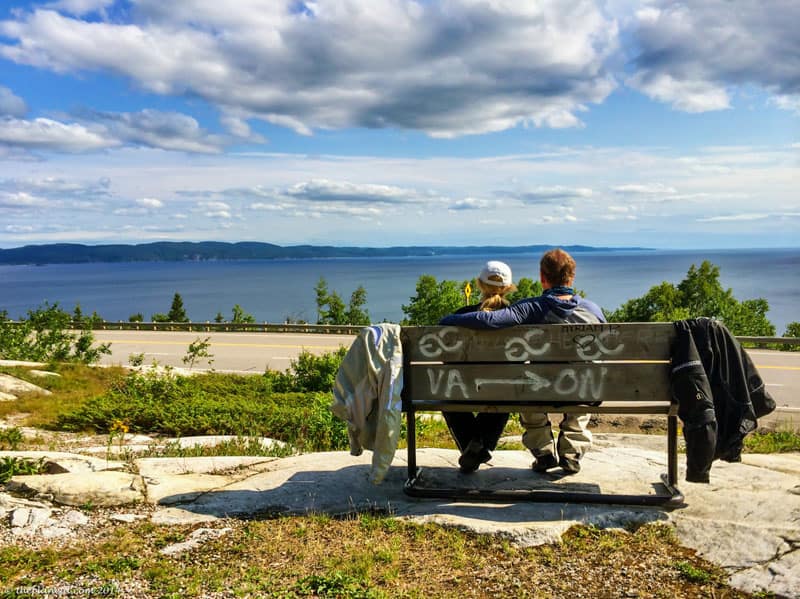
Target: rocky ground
{"x": 745, "y": 521}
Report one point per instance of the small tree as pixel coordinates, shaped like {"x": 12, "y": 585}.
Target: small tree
{"x": 240, "y": 316}
{"x": 321, "y": 291}
{"x": 138, "y": 317}
{"x": 525, "y": 288}
{"x": 336, "y": 313}
{"x": 219, "y": 317}
{"x": 698, "y": 294}
{"x": 176, "y": 311}
{"x": 198, "y": 350}
{"x": 433, "y": 301}
{"x": 355, "y": 312}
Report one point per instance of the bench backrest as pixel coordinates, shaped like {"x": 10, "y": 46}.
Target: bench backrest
{"x": 576, "y": 363}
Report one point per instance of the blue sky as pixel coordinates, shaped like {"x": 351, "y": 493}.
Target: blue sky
{"x": 401, "y": 122}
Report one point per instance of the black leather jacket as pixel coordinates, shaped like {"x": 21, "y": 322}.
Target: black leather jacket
{"x": 719, "y": 393}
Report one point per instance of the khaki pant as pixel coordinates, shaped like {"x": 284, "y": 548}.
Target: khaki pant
{"x": 574, "y": 438}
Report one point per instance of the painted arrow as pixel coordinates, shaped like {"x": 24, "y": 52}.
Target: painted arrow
{"x": 534, "y": 380}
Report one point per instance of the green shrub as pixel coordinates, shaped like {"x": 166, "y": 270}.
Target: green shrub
{"x": 11, "y": 466}
{"x": 212, "y": 404}
{"x": 308, "y": 373}
{"x": 46, "y": 336}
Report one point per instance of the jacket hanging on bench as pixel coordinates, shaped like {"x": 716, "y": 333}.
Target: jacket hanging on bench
{"x": 719, "y": 392}
{"x": 367, "y": 395}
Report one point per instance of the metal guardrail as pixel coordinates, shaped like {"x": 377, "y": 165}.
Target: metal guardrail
{"x": 225, "y": 327}
{"x": 332, "y": 329}
{"x": 761, "y": 341}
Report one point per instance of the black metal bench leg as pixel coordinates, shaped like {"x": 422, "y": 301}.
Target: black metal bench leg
{"x": 411, "y": 440}
{"x": 672, "y": 450}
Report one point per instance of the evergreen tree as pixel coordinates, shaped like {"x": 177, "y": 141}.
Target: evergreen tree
{"x": 176, "y": 312}
{"x": 336, "y": 313}
{"x": 321, "y": 290}
{"x": 356, "y": 314}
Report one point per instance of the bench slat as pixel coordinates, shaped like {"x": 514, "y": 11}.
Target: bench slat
{"x": 553, "y": 342}
{"x": 538, "y": 382}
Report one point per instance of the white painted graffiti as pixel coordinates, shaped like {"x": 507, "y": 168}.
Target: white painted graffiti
{"x": 520, "y": 348}
{"x": 454, "y": 381}
{"x": 587, "y": 384}
{"x": 433, "y": 345}
{"x": 592, "y": 347}
{"x": 533, "y": 380}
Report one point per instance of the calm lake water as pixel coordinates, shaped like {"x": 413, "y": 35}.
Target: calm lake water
{"x": 272, "y": 290}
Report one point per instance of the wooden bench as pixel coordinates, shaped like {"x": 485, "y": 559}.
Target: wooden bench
{"x": 582, "y": 368}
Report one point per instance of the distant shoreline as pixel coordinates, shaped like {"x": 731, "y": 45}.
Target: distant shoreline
{"x": 71, "y": 253}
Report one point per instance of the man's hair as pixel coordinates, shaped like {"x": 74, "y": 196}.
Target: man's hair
{"x": 558, "y": 267}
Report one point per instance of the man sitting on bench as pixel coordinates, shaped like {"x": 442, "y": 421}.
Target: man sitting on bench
{"x": 558, "y": 304}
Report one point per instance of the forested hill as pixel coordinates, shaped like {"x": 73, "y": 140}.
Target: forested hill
{"x": 71, "y": 253}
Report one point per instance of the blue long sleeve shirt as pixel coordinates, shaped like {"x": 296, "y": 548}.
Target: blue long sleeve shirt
{"x": 532, "y": 310}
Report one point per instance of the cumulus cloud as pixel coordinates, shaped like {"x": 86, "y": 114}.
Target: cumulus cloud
{"x": 81, "y": 7}
{"x": 11, "y": 105}
{"x": 648, "y": 189}
{"x": 151, "y": 203}
{"x": 219, "y": 210}
{"x": 691, "y": 54}
{"x": 155, "y": 129}
{"x": 447, "y": 68}
{"x": 100, "y": 130}
{"x": 472, "y": 204}
{"x": 23, "y": 201}
{"x": 550, "y": 195}
{"x": 47, "y": 134}
{"x": 323, "y": 190}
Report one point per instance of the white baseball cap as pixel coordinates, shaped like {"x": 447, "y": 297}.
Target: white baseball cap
{"x": 496, "y": 273}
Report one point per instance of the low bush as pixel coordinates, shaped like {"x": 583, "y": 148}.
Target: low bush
{"x": 308, "y": 373}
{"x": 213, "y": 404}
{"x": 46, "y": 336}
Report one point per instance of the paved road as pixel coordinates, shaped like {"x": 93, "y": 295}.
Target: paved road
{"x": 232, "y": 352}
{"x": 255, "y": 352}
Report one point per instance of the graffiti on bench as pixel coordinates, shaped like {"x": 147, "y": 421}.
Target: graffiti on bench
{"x": 586, "y": 383}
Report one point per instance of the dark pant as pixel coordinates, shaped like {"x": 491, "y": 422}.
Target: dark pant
{"x": 485, "y": 427}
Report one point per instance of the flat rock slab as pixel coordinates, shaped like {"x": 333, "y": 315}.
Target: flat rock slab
{"x": 13, "y": 385}
{"x": 62, "y": 461}
{"x": 99, "y": 489}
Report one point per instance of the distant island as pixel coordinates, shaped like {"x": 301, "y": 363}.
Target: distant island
{"x": 168, "y": 251}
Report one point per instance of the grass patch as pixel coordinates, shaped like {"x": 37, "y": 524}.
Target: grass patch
{"x": 70, "y": 390}
{"x": 367, "y": 557}
{"x": 772, "y": 442}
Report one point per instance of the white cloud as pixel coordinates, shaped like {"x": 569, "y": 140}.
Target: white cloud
{"x": 692, "y": 54}
{"x": 81, "y": 7}
{"x": 47, "y": 134}
{"x": 151, "y": 203}
{"x": 791, "y": 103}
{"x": 447, "y": 68}
{"x": 323, "y": 190}
{"x": 750, "y": 216}
{"x": 11, "y": 105}
{"x": 23, "y": 201}
{"x": 644, "y": 189}
{"x": 100, "y": 130}
{"x": 550, "y": 195}
{"x": 155, "y": 129}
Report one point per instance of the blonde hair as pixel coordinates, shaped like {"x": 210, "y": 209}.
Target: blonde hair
{"x": 492, "y": 298}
